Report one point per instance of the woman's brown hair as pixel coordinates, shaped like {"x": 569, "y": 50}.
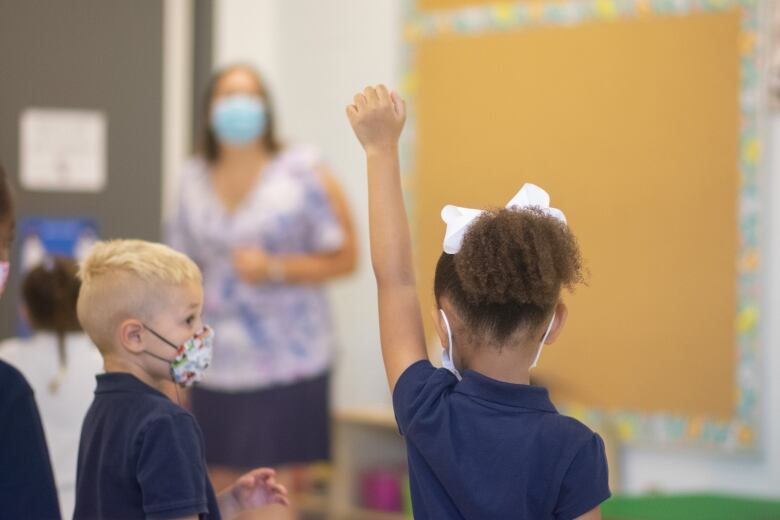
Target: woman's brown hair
{"x": 6, "y": 196}
{"x": 209, "y": 145}
{"x": 509, "y": 272}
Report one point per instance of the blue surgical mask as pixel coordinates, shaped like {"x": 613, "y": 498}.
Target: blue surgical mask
{"x": 239, "y": 119}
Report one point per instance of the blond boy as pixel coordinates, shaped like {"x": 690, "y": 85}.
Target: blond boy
{"x": 141, "y": 454}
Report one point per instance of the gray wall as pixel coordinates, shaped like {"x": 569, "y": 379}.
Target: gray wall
{"x": 203, "y": 17}
{"x": 92, "y": 54}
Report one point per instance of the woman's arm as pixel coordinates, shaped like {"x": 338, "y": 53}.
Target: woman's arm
{"x": 255, "y": 266}
{"x": 316, "y": 268}
{"x": 377, "y": 118}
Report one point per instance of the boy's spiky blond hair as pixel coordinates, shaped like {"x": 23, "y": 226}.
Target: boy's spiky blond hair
{"x": 150, "y": 262}
{"x": 123, "y": 279}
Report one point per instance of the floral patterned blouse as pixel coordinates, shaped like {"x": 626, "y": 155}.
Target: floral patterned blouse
{"x": 272, "y": 333}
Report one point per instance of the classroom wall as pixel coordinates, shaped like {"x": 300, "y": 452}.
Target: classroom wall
{"x": 317, "y": 55}
{"x": 87, "y": 55}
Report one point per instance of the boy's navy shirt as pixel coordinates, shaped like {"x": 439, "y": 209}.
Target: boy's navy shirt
{"x": 140, "y": 456}
{"x": 27, "y": 488}
{"x": 482, "y": 448}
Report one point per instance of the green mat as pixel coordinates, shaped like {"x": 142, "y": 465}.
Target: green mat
{"x": 689, "y": 507}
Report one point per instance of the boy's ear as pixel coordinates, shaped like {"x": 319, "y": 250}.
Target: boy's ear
{"x": 439, "y": 326}
{"x": 561, "y": 313}
{"x": 131, "y": 336}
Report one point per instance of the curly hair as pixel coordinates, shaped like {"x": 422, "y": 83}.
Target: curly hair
{"x": 510, "y": 271}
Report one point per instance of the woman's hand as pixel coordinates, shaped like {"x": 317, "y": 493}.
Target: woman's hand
{"x": 252, "y": 265}
{"x": 377, "y": 117}
{"x": 256, "y": 489}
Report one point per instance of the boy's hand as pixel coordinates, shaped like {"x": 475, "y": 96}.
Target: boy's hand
{"x": 256, "y": 489}
{"x": 377, "y": 117}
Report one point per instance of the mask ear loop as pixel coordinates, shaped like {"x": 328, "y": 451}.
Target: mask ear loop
{"x": 541, "y": 345}
{"x": 176, "y": 385}
{"x": 449, "y": 340}
{"x": 161, "y": 338}
{"x": 449, "y": 332}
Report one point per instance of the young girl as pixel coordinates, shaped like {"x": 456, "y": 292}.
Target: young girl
{"x": 481, "y": 442}
{"x": 60, "y": 363}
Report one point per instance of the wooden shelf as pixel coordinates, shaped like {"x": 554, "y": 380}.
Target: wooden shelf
{"x": 311, "y": 503}
{"x": 364, "y": 437}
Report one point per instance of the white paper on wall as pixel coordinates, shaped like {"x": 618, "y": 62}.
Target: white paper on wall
{"x": 62, "y": 150}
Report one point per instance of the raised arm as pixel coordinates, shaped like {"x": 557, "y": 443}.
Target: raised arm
{"x": 377, "y": 117}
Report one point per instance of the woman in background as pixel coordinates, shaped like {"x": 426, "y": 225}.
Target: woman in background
{"x": 268, "y": 225}
{"x": 60, "y": 363}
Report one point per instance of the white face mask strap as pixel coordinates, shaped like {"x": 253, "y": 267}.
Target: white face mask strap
{"x": 449, "y": 332}
{"x": 544, "y": 338}
{"x": 449, "y": 346}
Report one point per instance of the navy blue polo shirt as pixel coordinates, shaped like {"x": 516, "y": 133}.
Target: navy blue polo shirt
{"x": 27, "y": 487}
{"x": 140, "y": 456}
{"x": 482, "y": 448}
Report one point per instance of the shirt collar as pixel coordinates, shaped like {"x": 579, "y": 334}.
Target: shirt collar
{"x": 520, "y": 396}
{"x": 113, "y": 382}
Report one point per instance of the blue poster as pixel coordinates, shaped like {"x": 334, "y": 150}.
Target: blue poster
{"x": 41, "y": 238}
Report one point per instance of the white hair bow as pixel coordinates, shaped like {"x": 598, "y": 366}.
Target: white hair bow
{"x": 459, "y": 219}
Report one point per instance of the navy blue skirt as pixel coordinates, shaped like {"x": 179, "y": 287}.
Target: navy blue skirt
{"x": 274, "y": 426}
